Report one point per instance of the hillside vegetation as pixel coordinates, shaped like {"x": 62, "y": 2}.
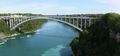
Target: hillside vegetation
{"x": 102, "y": 38}
{"x": 29, "y": 26}
{"x": 4, "y": 28}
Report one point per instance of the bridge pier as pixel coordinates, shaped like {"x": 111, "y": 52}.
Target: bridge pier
{"x": 85, "y": 24}
{"x": 89, "y": 22}
{"x": 77, "y": 22}
{"x": 69, "y": 20}
{"x": 73, "y": 21}
{"x": 81, "y": 22}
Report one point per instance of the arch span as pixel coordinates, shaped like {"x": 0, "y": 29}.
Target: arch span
{"x": 47, "y": 19}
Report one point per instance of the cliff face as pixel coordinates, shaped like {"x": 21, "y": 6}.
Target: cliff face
{"x": 102, "y": 38}
{"x": 75, "y": 46}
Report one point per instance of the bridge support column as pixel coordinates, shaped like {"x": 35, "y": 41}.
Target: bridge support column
{"x": 20, "y": 19}
{"x": 7, "y": 21}
{"x": 69, "y": 20}
{"x": 14, "y": 21}
{"x": 81, "y": 23}
{"x": 60, "y": 18}
{"x": 77, "y": 22}
{"x": 73, "y": 21}
{"x": 89, "y": 22}
{"x": 85, "y": 24}
{"x": 65, "y": 20}
{"x": 11, "y": 22}
{"x": 94, "y": 20}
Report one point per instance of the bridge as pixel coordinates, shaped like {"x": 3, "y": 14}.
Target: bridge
{"x": 78, "y": 22}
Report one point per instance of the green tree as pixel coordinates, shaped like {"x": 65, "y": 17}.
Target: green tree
{"x": 97, "y": 41}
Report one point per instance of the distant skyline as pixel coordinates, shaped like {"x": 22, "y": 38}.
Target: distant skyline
{"x": 60, "y": 6}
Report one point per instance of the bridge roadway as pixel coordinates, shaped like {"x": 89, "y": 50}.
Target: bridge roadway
{"x": 78, "y": 22}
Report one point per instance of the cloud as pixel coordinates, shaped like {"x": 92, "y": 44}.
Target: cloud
{"x": 59, "y": 7}
{"x": 44, "y": 8}
{"x": 115, "y": 3}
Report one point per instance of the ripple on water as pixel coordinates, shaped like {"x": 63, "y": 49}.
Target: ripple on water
{"x": 13, "y": 38}
{"x": 28, "y": 36}
{"x": 53, "y": 51}
{"x": 2, "y": 41}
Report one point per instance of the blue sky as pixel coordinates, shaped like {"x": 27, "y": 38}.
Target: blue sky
{"x": 59, "y": 6}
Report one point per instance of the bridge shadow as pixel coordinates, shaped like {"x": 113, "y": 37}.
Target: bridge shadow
{"x": 66, "y": 51}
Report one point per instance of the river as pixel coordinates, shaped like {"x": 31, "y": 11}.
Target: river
{"x": 52, "y": 39}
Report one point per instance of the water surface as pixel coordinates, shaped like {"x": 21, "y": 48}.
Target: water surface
{"x": 52, "y": 39}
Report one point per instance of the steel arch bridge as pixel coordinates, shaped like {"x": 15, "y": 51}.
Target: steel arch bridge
{"x": 78, "y": 22}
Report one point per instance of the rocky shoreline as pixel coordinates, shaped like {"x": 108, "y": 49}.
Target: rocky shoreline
{"x": 30, "y": 27}
{"x": 5, "y": 38}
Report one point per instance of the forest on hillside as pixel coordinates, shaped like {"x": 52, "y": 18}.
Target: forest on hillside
{"x": 100, "y": 39}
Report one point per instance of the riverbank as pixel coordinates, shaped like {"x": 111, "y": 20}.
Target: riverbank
{"x": 5, "y": 38}
{"x": 75, "y": 46}
{"x": 26, "y": 28}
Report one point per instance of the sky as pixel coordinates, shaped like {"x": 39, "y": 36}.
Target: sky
{"x": 60, "y": 6}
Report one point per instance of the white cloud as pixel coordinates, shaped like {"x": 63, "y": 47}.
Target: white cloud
{"x": 44, "y": 8}
{"x": 57, "y": 7}
{"x": 115, "y": 3}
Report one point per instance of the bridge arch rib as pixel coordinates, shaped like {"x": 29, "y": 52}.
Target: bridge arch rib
{"x": 47, "y": 19}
